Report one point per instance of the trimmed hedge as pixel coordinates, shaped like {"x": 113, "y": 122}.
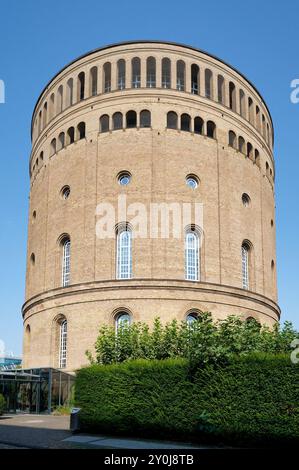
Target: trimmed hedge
{"x": 252, "y": 400}
{"x": 2, "y": 404}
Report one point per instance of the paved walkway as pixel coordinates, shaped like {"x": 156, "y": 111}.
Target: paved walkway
{"x": 52, "y": 432}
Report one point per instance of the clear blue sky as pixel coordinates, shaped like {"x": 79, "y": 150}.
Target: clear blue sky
{"x": 37, "y": 38}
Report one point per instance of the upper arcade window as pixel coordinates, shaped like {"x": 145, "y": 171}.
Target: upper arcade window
{"x": 194, "y": 79}
{"x": 151, "y": 72}
{"x": 94, "y": 81}
{"x": 208, "y": 84}
{"x": 180, "y": 75}
{"x": 121, "y": 74}
{"x": 107, "y": 77}
{"x": 136, "y": 72}
{"x": 220, "y": 88}
{"x": 166, "y": 73}
{"x": 81, "y": 86}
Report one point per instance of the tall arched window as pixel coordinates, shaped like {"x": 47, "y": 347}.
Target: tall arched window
{"x": 69, "y": 92}
{"x": 104, "y": 123}
{"x": 61, "y": 141}
{"x": 192, "y": 272}
{"x": 145, "y": 118}
{"x": 257, "y": 157}
{"x": 194, "y": 79}
{"x": 180, "y": 75}
{"x": 151, "y": 72}
{"x": 63, "y": 344}
{"x": 242, "y": 102}
{"x": 107, "y": 77}
{"x": 121, "y": 74}
{"x": 81, "y": 86}
{"x": 185, "y": 122}
{"x": 264, "y": 126}
{"x": 53, "y": 147}
{"x": 60, "y": 99}
{"x": 166, "y": 73}
{"x": 220, "y": 89}
{"x": 232, "y": 138}
{"x": 131, "y": 118}
{"x": 250, "y": 110}
{"x": 241, "y": 145}
{"x": 70, "y": 135}
{"x": 66, "y": 261}
{"x": 211, "y": 129}
{"x": 245, "y": 265}
{"x": 249, "y": 151}
{"x": 45, "y": 115}
{"x": 136, "y": 72}
{"x": 81, "y": 130}
{"x": 52, "y": 107}
{"x": 258, "y": 118}
{"x": 94, "y": 81}
{"x": 198, "y": 125}
{"x": 122, "y": 319}
{"x": 232, "y": 96}
{"x": 172, "y": 120}
{"x": 124, "y": 252}
{"x": 208, "y": 84}
{"x": 117, "y": 121}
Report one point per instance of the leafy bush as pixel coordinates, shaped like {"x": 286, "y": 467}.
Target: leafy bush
{"x": 252, "y": 399}
{"x": 2, "y": 404}
{"x": 204, "y": 341}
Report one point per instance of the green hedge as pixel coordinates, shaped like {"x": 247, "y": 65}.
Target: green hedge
{"x": 2, "y": 404}
{"x": 250, "y": 400}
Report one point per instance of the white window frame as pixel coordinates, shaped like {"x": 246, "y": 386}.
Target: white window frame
{"x": 66, "y": 263}
{"x": 63, "y": 345}
{"x": 192, "y": 256}
{"x": 124, "y": 254}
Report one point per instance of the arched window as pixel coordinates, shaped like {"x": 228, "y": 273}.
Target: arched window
{"x": 131, "y": 118}
{"x": 172, "y": 120}
{"x": 264, "y": 126}
{"x": 145, "y": 118}
{"x": 257, "y": 157}
{"x": 66, "y": 261}
{"x": 208, "y": 84}
{"x": 258, "y": 118}
{"x": 180, "y": 75}
{"x": 70, "y": 135}
{"x": 185, "y": 122}
{"x": 53, "y": 147}
{"x": 121, "y": 74}
{"x": 198, "y": 125}
{"x": 94, "y": 81}
{"x": 192, "y": 272}
{"x": 69, "y": 92}
{"x": 27, "y": 341}
{"x": 250, "y": 110}
{"x": 39, "y": 122}
{"x": 81, "y": 86}
{"x": 104, "y": 123}
{"x": 122, "y": 319}
{"x": 232, "y": 138}
{"x": 220, "y": 88}
{"x": 242, "y": 103}
{"x": 61, "y": 141}
{"x": 117, "y": 119}
{"x": 241, "y": 145}
{"x": 211, "y": 129}
{"x": 107, "y": 77}
{"x": 136, "y": 72}
{"x": 81, "y": 130}
{"x": 166, "y": 73}
{"x": 232, "y": 96}
{"x": 191, "y": 318}
{"x": 268, "y": 134}
{"x": 60, "y": 99}
{"x": 249, "y": 151}
{"x": 195, "y": 79}
{"x": 63, "y": 344}
{"x": 124, "y": 252}
{"x": 45, "y": 115}
{"x": 52, "y": 106}
{"x": 245, "y": 265}
{"x": 151, "y": 72}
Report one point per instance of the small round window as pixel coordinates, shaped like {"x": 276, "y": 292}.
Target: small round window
{"x": 246, "y": 200}
{"x": 65, "y": 192}
{"x": 124, "y": 178}
{"x": 192, "y": 181}
{"x": 191, "y": 318}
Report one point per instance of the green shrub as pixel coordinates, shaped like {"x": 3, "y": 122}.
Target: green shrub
{"x": 250, "y": 400}
{"x": 203, "y": 342}
{"x": 2, "y": 404}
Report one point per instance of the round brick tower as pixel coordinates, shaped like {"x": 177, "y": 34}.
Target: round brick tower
{"x": 148, "y": 123}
